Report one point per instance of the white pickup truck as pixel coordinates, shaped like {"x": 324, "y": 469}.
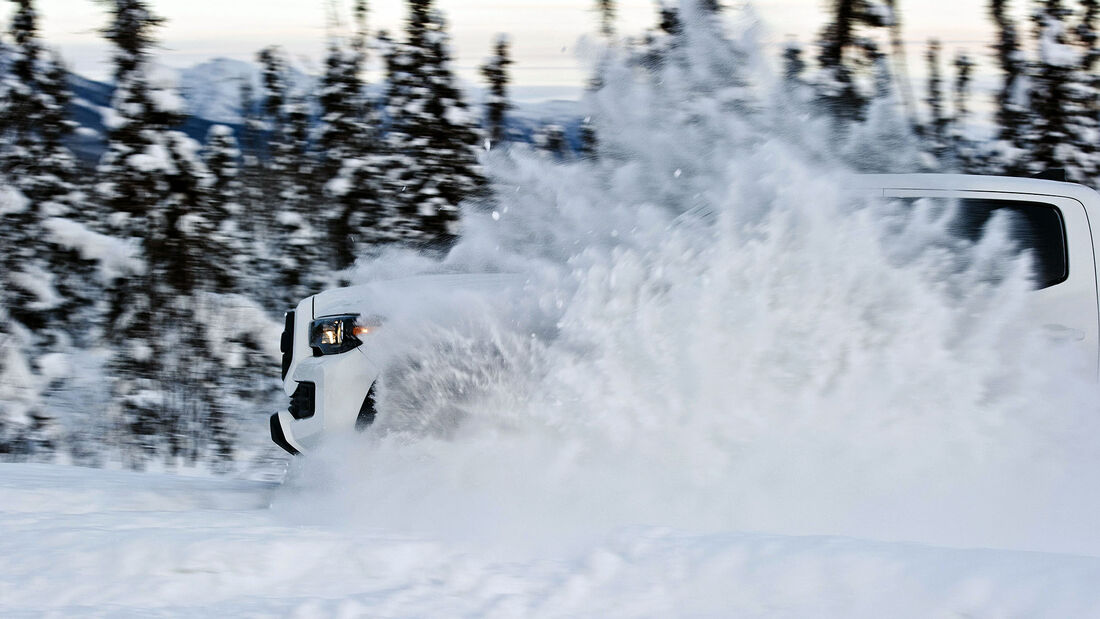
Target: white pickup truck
{"x": 334, "y": 351}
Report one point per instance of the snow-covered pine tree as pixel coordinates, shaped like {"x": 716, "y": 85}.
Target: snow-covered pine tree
{"x": 9, "y": 415}
{"x": 152, "y": 184}
{"x": 1052, "y": 94}
{"x": 350, "y": 149}
{"x": 668, "y": 19}
{"x": 75, "y": 275}
{"x": 936, "y": 131}
{"x": 34, "y": 117}
{"x": 345, "y": 131}
{"x": 47, "y": 292}
{"x": 1084, "y": 113}
{"x": 251, "y": 141}
{"x": 1007, "y": 153}
{"x": 900, "y": 65}
{"x": 27, "y": 430}
{"x": 551, "y": 139}
{"x": 962, "y": 145}
{"x": 288, "y": 166}
{"x": 244, "y": 379}
{"x": 607, "y": 10}
{"x": 225, "y": 210}
{"x": 200, "y": 253}
{"x": 454, "y": 147}
{"x": 796, "y": 95}
{"x": 1087, "y": 35}
{"x": 256, "y": 218}
{"x": 222, "y": 155}
{"x": 495, "y": 72}
{"x": 404, "y": 105}
{"x": 22, "y": 115}
{"x": 132, "y": 183}
{"x": 793, "y": 65}
{"x": 294, "y": 155}
{"x": 433, "y": 142}
{"x": 844, "y": 54}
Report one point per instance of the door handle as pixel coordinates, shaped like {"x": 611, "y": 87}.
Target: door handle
{"x": 1062, "y": 333}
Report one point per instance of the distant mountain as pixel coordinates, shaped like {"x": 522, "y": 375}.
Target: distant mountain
{"x": 90, "y": 100}
{"x": 212, "y": 89}
{"x": 212, "y": 92}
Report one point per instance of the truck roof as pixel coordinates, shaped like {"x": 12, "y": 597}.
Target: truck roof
{"x": 971, "y": 182}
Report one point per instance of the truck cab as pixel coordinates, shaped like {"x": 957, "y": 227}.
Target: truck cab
{"x": 1051, "y": 220}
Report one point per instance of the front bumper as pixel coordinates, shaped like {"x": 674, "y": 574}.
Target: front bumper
{"x": 331, "y": 393}
{"x": 279, "y": 434}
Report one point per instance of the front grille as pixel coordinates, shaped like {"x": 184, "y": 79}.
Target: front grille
{"x": 303, "y": 401}
{"x": 286, "y": 344}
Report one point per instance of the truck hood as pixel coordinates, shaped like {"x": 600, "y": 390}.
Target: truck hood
{"x": 413, "y": 295}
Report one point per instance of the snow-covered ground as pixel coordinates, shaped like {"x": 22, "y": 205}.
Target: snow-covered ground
{"x": 101, "y": 543}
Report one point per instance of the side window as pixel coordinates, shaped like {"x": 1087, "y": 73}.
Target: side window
{"x": 1034, "y": 227}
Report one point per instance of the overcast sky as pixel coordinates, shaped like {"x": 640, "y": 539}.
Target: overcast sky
{"x": 544, "y": 32}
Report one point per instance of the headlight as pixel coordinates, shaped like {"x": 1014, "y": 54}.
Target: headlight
{"x": 333, "y": 335}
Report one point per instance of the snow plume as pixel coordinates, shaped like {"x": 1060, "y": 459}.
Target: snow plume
{"x": 717, "y": 334}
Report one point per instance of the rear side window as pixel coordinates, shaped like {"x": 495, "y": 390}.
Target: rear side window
{"x": 1034, "y": 227}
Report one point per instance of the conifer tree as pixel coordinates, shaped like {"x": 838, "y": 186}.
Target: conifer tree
{"x": 34, "y": 98}
{"x": 1011, "y": 111}
{"x": 1052, "y": 93}
{"x": 256, "y": 216}
{"x": 669, "y": 19}
{"x": 251, "y": 131}
{"x": 552, "y": 140}
{"x": 288, "y": 168}
{"x": 793, "y": 65}
{"x": 936, "y": 132}
{"x": 588, "y": 135}
{"x": 133, "y": 182}
{"x": 33, "y": 113}
{"x": 25, "y": 148}
{"x": 495, "y": 72}
{"x": 345, "y": 123}
{"x": 25, "y": 427}
{"x": 432, "y": 141}
{"x": 900, "y": 66}
{"x": 1084, "y": 111}
{"x": 349, "y": 144}
{"x": 151, "y": 181}
{"x": 47, "y": 296}
{"x": 225, "y": 211}
{"x": 607, "y": 10}
{"x": 964, "y": 151}
{"x": 844, "y": 54}
{"x": 1087, "y": 35}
